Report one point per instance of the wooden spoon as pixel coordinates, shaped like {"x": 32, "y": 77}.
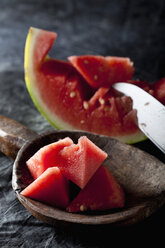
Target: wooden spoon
{"x": 141, "y": 175}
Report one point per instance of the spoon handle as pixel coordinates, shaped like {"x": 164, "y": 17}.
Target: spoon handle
{"x": 12, "y": 136}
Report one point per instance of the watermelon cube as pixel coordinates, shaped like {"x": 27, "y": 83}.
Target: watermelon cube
{"x": 51, "y": 188}
{"x": 79, "y": 162}
{"x": 46, "y": 157}
{"x": 101, "y": 193}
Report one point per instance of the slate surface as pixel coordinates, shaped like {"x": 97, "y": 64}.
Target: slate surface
{"x": 123, "y": 28}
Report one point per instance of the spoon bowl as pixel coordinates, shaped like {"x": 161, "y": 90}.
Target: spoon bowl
{"x": 141, "y": 175}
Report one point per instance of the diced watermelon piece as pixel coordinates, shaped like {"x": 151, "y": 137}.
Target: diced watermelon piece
{"x": 51, "y": 188}
{"x": 79, "y": 162}
{"x": 101, "y": 193}
{"x": 101, "y": 71}
{"x": 159, "y": 90}
{"x": 46, "y": 157}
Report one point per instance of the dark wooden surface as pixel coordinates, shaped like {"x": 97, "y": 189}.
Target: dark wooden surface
{"x": 122, "y": 28}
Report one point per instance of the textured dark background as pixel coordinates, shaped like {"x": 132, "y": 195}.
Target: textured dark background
{"x": 123, "y": 28}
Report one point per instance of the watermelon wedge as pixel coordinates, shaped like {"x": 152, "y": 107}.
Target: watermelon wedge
{"x": 101, "y": 193}
{"x": 67, "y": 101}
{"x": 79, "y": 162}
{"x": 51, "y": 188}
{"x": 99, "y": 71}
{"x": 46, "y": 157}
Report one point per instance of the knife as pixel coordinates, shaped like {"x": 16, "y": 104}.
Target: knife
{"x": 150, "y": 113}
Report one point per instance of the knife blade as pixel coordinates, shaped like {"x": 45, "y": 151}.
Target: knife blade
{"x": 150, "y": 113}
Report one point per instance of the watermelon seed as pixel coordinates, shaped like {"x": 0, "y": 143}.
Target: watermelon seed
{"x": 86, "y": 61}
{"x": 106, "y": 109}
{"x": 82, "y": 121}
{"x": 82, "y": 208}
{"x": 85, "y": 104}
{"x": 101, "y": 101}
{"x": 72, "y": 94}
{"x": 95, "y": 77}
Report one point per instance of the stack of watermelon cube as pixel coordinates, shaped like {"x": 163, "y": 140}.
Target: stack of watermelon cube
{"x": 57, "y": 166}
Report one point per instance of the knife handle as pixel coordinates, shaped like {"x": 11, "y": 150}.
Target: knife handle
{"x": 13, "y": 135}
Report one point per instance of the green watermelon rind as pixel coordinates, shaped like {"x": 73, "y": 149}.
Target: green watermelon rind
{"x": 53, "y": 119}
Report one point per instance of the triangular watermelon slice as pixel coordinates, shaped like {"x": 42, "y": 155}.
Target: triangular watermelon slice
{"x": 51, "y": 188}
{"x": 79, "y": 162}
{"x": 46, "y": 157}
{"x": 101, "y": 71}
{"x": 101, "y": 193}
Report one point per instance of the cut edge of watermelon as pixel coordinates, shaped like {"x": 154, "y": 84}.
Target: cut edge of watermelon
{"x": 53, "y": 119}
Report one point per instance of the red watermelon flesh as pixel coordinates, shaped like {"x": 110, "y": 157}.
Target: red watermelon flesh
{"x": 101, "y": 193}
{"x": 44, "y": 41}
{"x": 142, "y": 84}
{"x": 101, "y": 71}
{"x": 159, "y": 90}
{"x": 79, "y": 162}
{"x": 96, "y": 110}
{"x": 46, "y": 157}
{"x": 66, "y": 100}
{"x": 51, "y": 188}
{"x": 110, "y": 110}
{"x": 64, "y": 91}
